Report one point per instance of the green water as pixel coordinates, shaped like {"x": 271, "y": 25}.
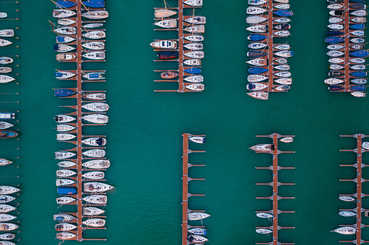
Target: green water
{"x": 145, "y": 131}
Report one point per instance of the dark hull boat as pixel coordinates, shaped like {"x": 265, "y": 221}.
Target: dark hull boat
{"x": 63, "y": 92}
{"x": 257, "y": 70}
{"x": 65, "y": 4}
{"x": 193, "y": 70}
{"x": 168, "y": 55}
{"x": 8, "y": 134}
{"x": 334, "y": 40}
{"x": 94, "y": 3}
{"x": 66, "y": 190}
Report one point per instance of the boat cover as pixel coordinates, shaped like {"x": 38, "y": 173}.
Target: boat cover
{"x": 65, "y": 4}
{"x": 94, "y": 3}
{"x": 66, "y": 190}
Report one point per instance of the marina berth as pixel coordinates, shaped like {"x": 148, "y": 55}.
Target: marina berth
{"x": 271, "y": 224}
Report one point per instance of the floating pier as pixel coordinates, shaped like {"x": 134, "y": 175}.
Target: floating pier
{"x": 82, "y": 97}
{"x": 272, "y": 64}
{"x": 186, "y": 151}
{"x": 344, "y": 75}
{"x": 273, "y": 150}
{"x": 185, "y": 68}
{"x": 358, "y": 180}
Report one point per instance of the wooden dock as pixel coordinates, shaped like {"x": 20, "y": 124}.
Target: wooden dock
{"x": 359, "y": 180}
{"x": 275, "y": 168}
{"x": 78, "y": 112}
{"x": 186, "y": 151}
{"x": 182, "y": 88}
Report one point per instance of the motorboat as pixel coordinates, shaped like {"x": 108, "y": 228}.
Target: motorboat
{"x": 168, "y": 75}
{"x": 97, "y": 164}
{"x": 94, "y": 96}
{"x": 197, "y": 139}
{"x": 7, "y": 190}
{"x": 94, "y": 3}
{"x": 194, "y": 38}
{"x": 193, "y": 3}
{"x": 92, "y": 211}
{"x": 257, "y": 45}
{"x": 96, "y": 118}
{"x": 283, "y": 26}
{"x": 196, "y": 87}
{"x": 66, "y": 22}
{"x": 60, "y": 155}
{"x": 257, "y": 70}
{"x": 94, "y": 153}
{"x": 194, "y": 79}
{"x": 5, "y": 162}
{"x": 263, "y": 148}
{"x": 286, "y": 140}
{"x": 256, "y": 86}
{"x": 263, "y": 231}
{"x": 94, "y": 45}
{"x": 96, "y": 107}
{"x": 6, "y": 79}
{"x": 6, "y": 60}
{"x": 264, "y": 215}
{"x": 64, "y": 182}
{"x": 96, "y": 199}
{"x": 345, "y": 213}
{"x": 63, "y": 48}
{"x": 63, "y": 13}
{"x": 65, "y": 227}
{"x": 65, "y": 236}
{"x": 5, "y": 208}
{"x": 64, "y": 118}
{"x": 345, "y": 230}
{"x": 196, "y": 20}
{"x": 64, "y": 218}
{"x": 8, "y": 227}
{"x": 197, "y": 231}
{"x": 197, "y": 216}
{"x": 192, "y": 71}
{"x": 195, "y": 54}
{"x": 66, "y": 57}
{"x": 6, "y": 199}
{"x": 65, "y": 200}
{"x": 94, "y": 175}
{"x": 281, "y": 34}
{"x": 4, "y": 42}
{"x": 95, "y": 55}
{"x": 94, "y": 75}
{"x": 256, "y": 2}
{"x": 96, "y": 14}
{"x": 164, "y": 13}
{"x": 64, "y": 75}
{"x": 64, "y": 39}
{"x": 64, "y": 127}
{"x": 257, "y": 62}
{"x": 94, "y": 141}
{"x": 94, "y": 35}
{"x": 7, "y": 217}
{"x": 66, "y": 190}
{"x": 95, "y": 222}
{"x": 164, "y": 44}
{"x": 167, "y": 23}
{"x": 96, "y": 187}
{"x": 65, "y": 173}
{"x": 257, "y": 28}
{"x": 4, "y": 69}
{"x": 66, "y": 164}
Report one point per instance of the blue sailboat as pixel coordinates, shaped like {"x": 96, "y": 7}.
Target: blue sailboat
{"x": 359, "y": 53}
{"x": 257, "y": 70}
{"x": 334, "y": 40}
{"x": 358, "y": 88}
{"x": 360, "y": 74}
{"x": 63, "y": 92}
{"x": 94, "y": 3}
{"x": 66, "y": 190}
{"x": 65, "y": 4}
{"x": 256, "y": 53}
{"x": 283, "y": 13}
{"x": 334, "y": 33}
{"x": 357, "y": 26}
{"x": 256, "y": 37}
{"x": 193, "y": 70}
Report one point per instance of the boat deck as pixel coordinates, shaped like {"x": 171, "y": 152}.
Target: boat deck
{"x": 185, "y": 181}
{"x": 359, "y": 184}
{"x": 275, "y": 168}
{"x": 78, "y": 113}
{"x": 181, "y": 57}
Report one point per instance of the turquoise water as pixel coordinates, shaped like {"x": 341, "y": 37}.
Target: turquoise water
{"x": 145, "y": 131}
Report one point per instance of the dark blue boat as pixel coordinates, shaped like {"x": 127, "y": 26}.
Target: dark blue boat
{"x": 283, "y": 13}
{"x": 334, "y": 40}
{"x": 63, "y": 92}
{"x": 359, "y": 74}
{"x": 356, "y": 6}
{"x": 94, "y": 3}
{"x": 256, "y": 53}
{"x": 335, "y": 87}
{"x": 256, "y": 37}
{"x": 193, "y": 70}
{"x": 66, "y": 190}
{"x": 334, "y": 33}
{"x": 357, "y": 27}
{"x": 166, "y": 55}
{"x": 359, "y": 53}
{"x": 65, "y": 4}
{"x": 358, "y": 88}
{"x": 257, "y": 70}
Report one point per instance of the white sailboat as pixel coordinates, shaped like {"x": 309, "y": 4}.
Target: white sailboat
{"x": 96, "y": 199}
{"x": 96, "y": 187}
{"x": 97, "y": 164}
{"x": 94, "y": 153}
